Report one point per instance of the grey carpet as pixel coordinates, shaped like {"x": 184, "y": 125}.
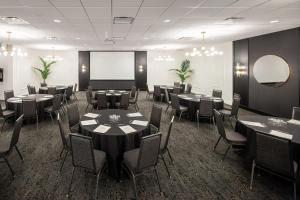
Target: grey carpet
{"x": 198, "y": 172}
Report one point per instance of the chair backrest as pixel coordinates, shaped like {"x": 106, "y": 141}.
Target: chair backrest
{"x": 189, "y": 88}
{"x": 124, "y": 102}
{"x": 175, "y": 101}
{"x": 235, "y": 95}
{"x": 296, "y": 113}
{"x": 62, "y": 131}
{"x": 28, "y": 89}
{"x": 69, "y": 91}
{"x": 32, "y": 90}
{"x": 73, "y": 114}
{"x": 235, "y": 106}
{"x": 176, "y": 84}
{"x": 52, "y": 90}
{"x": 167, "y": 96}
{"x": 206, "y": 107}
{"x": 90, "y": 88}
{"x": 136, "y": 97}
{"x": 133, "y": 91}
{"x": 56, "y": 101}
{"x": 75, "y": 88}
{"x": 149, "y": 151}
{"x": 82, "y": 152}
{"x": 220, "y": 124}
{"x": 155, "y": 116}
{"x": 157, "y": 91}
{"x": 1, "y": 111}
{"x": 88, "y": 97}
{"x": 275, "y": 154}
{"x": 176, "y": 90}
{"x": 147, "y": 88}
{"x": 101, "y": 100}
{"x": 8, "y": 94}
{"x": 217, "y": 93}
{"x": 43, "y": 84}
{"x": 165, "y": 144}
{"x": 29, "y": 107}
{"x": 16, "y": 131}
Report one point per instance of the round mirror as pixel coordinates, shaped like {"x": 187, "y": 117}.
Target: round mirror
{"x": 271, "y": 70}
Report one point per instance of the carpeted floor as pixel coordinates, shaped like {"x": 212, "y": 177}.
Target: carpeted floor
{"x": 197, "y": 173}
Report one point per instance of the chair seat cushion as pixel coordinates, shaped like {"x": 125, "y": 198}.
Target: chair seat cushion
{"x": 131, "y": 159}
{"x": 8, "y": 113}
{"x": 75, "y": 129}
{"x": 153, "y": 129}
{"x": 5, "y": 144}
{"x": 100, "y": 158}
{"x": 48, "y": 109}
{"x": 183, "y": 108}
{"x": 225, "y": 112}
{"x": 235, "y": 137}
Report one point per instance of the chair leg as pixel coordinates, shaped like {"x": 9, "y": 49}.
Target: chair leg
{"x": 86, "y": 107}
{"x": 295, "y": 191}
{"x": 19, "y": 153}
{"x": 217, "y": 143}
{"x": 229, "y": 147}
{"x": 61, "y": 152}
{"x": 197, "y": 115}
{"x": 180, "y": 115}
{"x": 3, "y": 125}
{"x": 157, "y": 178}
{"x": 37, "y": 122}
{"x": 134, "y": 186}
{"x": 171, "y": 158}
{"x": 97, "y": 183}
{"x": 51, "y": 118}
{"x": 167, "y": 107}
{"x": 167, "y": 169}
{"x": 70, "y": 186}
{"x": 252, "y": 174}
{"x": 62, "y": 164}
{"x": 11, "y": 170}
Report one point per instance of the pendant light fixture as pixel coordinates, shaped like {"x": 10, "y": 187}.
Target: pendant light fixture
{"x": 7, "y": 49}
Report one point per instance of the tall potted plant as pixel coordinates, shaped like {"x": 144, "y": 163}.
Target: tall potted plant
{"x": 184, "y": 72}
{"x": 45, "y": 69}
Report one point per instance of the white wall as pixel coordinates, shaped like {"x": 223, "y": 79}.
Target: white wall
{"x": 7, "y": 64}
{"x": 208, "y": 72}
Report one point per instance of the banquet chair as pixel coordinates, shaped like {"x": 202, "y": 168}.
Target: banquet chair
{"x": 8, "y": 94}
{"x": 29, "y": 110}
{"x": 54, "y": 109}
{"x": 232, "y": 114}
{"x": 296, "y": 113}
{"x": 9, "y": 143}
{"x": 281, "y": 163}
{"x": 138, "y": 161}
{"x": 176, "y": 107}
{"x": 176, "y": 90}
{"x": 43, "y": 84}
{"x": 134, "y": 102}
{"x": 177, "y": 84}
{"x": 188, "y": 88}
{"x": 69, "y": 92}
{"x": 217, "y": 93}
{"x": 132, "y": 92}
{"x": 164, "y": 146}
{"x": 51, "y": 90}
{"x": 102, "y": 101}
{"x": 65, "y": 138}
{"x": 155, "y": 119}
{"x": 124, "y": 101}
{"x": 74, "y": 91}
{"x": 89, "y": 100}
{"x": 205, "y": 110}
{"x": 84, "y": 156}
{"x": 32, "y": 89}
{"x": 167, "y": 98}
{"x": 28, "y": 88}
{"x": 6, "y": 115}
{"x": 73, "y": 118}
{"x": 149, "y": 92}
{"x": 157, "y": 93}
{"x": 231, "y": 137}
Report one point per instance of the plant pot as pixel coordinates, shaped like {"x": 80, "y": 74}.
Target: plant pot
{"x": 182, "y": 88}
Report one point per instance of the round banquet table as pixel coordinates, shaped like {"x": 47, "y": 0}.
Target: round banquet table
{"x": 192, "y": 102}
{"x": 60, "y": 89}
{"x": 267, "y": 124}
{"x": 115, "y": 142}
{"x": 42, "y": 100}
{"x": 112, "y": 96}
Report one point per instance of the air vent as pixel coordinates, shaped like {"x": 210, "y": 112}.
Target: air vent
{"x": 123, "y": 20}
{"x": 233, "y": 18}
{"x": 13, "y": 20}
{"x": 186, "y": 38}
{"x": 109, "y": 42}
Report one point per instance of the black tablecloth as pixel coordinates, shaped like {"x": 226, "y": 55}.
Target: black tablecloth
{"x": 115, "y": 142}
{"x": 192, "y": 102}
{"x": 60, "y": 89}
{"x": 112, "y": 96}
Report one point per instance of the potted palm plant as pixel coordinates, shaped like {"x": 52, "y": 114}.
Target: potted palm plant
{"x": 184, "y": 72}
{"x": 45, "y": 69}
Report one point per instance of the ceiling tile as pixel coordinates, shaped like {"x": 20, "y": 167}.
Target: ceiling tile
{"x": 96, "y": 3}
{"x": 125, "y": 11}
{"x": 157, "y": 3}
{"x": 72, "y": 12}
{"x": 217, "y": 3}
{"x": 98, "y": 12}
{"x": 151, "y": 12}
{"x": 66, "y": 3}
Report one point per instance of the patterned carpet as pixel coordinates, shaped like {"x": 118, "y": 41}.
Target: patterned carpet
{"x": 197, "y": 173}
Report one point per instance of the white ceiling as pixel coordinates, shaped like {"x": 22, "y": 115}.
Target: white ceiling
{"x": 91, "y": 21}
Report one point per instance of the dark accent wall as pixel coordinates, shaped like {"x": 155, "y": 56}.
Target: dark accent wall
{"x": 140, "y": 77}
{"x": 277, "y": 101}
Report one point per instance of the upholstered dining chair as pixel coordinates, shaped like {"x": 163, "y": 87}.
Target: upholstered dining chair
{"x": 90, "y": 101}
{"x": 132, "y": 92}
{"x": 167, "y": 98}
{"x": 176, "y": 107}
{"x": 28, "y": 89}
{"x": 230, "y": 137}
{"x": 29, "y": 110}
{"x": 43, "y": 84}
{"x": 32, "y": 89}
{"x": 176, "y": 90}
{"x": 52, "y": 90}
{"x": 149, "y": 92}
{"x": 54, "y": 109}
{"x": 74, "y": 91}
{"x": 73, "y": 118}
{"x": 155, "y": 119}
{"x": 84, "y": 156}
{"x": 232, "y": 114}
{"x": 206, "y": 107}
{"x": 188, "y": 88}
{"x": 296, "y": 113}
{"x": 8, "y": 94}
{"x": 7, "y": 144}
{"x": 6, "y": 115}
{"x": 274, "y": 155}
{"x": 134, "y": 102}
{"x": 69, "y": 92}
{"x": 217, "y": 93}
{"x": 157, "y": 93}
{"x": 65, "y": 138}
{"x": 124, "y": 101}
{"x": 102, "y": 101}
{"x": 177, "y": 84}
{"x": 144, "y": 159}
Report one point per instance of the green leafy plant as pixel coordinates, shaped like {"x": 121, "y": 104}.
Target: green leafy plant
{"x": 184, "y": 72}
{"x": 45, "y": 71}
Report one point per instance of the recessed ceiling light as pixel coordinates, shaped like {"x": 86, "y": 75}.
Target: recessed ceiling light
{"x": 146, "y": 38}
{"x": 78, "y": 38}
{"x": 167, "y": 21}
{"x": 274, "y": 21}
{"x": 57, "y": 20}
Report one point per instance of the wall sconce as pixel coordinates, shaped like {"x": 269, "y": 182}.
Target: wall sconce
{"x": 240, "y": 70}
{"x": 141, "y": 68}
{"x": 83, "y": 68}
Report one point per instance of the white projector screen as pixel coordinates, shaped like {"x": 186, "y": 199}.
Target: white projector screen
{"x": 112, "y": 66}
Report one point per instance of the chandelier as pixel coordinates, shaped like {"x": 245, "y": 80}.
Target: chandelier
{"x": 9, "y": 50}
{"x": 204, "y": 51}
{"x": 53, "y": 57}
{"x": 163, "y": 58}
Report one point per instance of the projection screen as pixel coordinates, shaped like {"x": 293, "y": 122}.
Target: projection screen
{"x": 112, "y": 66}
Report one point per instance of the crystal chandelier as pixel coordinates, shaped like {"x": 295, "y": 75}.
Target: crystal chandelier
{"x": 163, "y": 58}
{"x": 9, "y": 50}
{"x": 204, "y": 51}
{"x": 53, "y": 57}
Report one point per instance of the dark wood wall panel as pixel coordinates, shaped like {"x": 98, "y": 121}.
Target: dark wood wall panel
{"x": 140, "y": 76}
{"x": 83, "y": 77}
